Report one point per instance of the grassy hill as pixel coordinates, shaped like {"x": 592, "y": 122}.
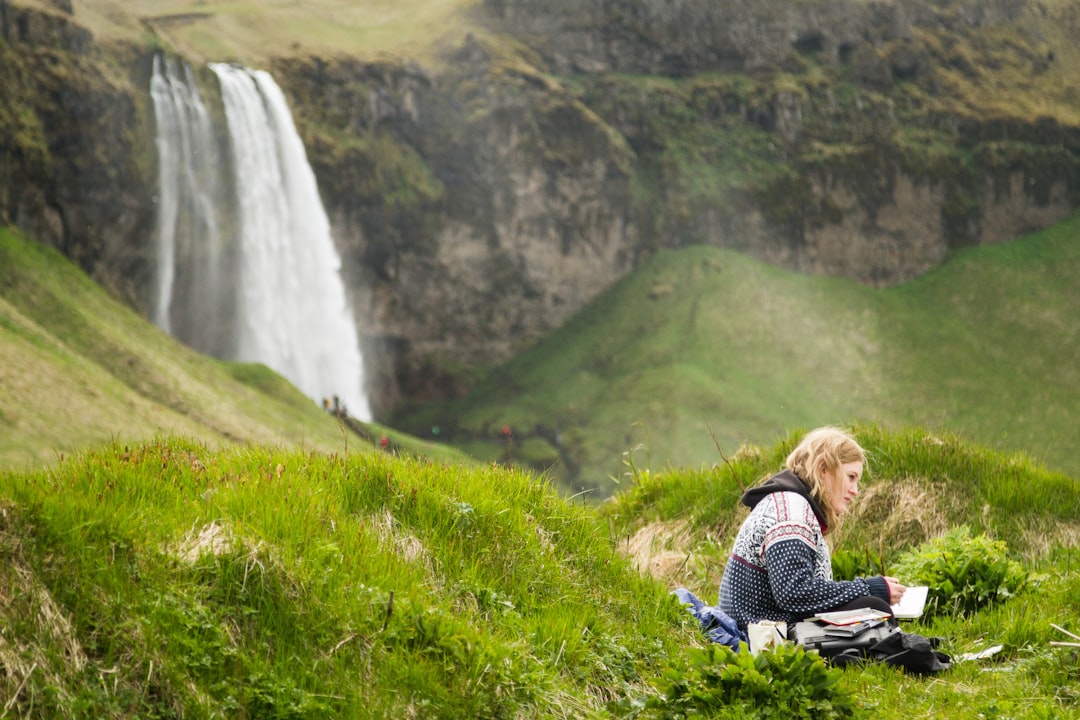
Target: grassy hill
{"x": 184, "y": 537}
{"x": 704, "y": 349}
{"x": 78, "y": 368}
{"x": 165, "y": 579}
{"x": 699, "y": 352}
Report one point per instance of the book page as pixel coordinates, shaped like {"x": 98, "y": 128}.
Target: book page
{"x": 911, "y": 605}
{"x": 850, "y": 617}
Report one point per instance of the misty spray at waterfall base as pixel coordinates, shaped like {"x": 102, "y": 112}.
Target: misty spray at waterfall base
{"x": 247, "y": 267}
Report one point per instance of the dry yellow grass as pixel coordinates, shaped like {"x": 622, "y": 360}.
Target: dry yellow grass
{"x": 902, "y": 511}
{"x": 22, "y": 592}
{"x": 661, "y": 549}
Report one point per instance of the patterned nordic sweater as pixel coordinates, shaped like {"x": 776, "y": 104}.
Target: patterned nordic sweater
{"x": 780, "y": 567}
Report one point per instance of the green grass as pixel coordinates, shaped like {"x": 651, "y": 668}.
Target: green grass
{"x": 703, "y": 349}
{"x": 166, "y": 579}
{"x": 263, "y": 572}
{"x": 271, "y": 565}
{"x": 918, "y": 484}
{"x": 261, "y": 583}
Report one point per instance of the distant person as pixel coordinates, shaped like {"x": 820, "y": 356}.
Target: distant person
{"x": 780, "y": 567}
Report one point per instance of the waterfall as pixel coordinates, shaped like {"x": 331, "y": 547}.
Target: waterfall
{"x": 189, "y": 250}
{"x": 278, "y": 292}
{"x": 170, "y": 142}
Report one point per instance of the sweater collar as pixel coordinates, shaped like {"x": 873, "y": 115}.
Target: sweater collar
{"x": 785, "y": 481}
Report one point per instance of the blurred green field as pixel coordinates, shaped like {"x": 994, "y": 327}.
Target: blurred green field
{"x": 703, "y": 349}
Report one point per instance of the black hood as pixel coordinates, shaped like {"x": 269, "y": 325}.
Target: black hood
{"x": 785, "y": 481}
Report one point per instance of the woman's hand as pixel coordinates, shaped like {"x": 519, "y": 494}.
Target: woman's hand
{"x": 896, "y": 590}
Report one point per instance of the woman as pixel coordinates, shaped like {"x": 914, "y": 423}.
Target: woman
{"x": 780, "y": 567}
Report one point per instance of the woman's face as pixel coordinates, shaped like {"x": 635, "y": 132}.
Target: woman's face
{"x": 842, "y": 485}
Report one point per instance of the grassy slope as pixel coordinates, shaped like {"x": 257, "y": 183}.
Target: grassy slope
{"x": 991, "y": 340}
{"x": 168, "y": 580}
{"x": 78, "y": 368}
{"x": 255, "y": 583}
{"x": 995, "y": 74}
{"x": 290, "y": 602}
{"x": 704, "y": 346}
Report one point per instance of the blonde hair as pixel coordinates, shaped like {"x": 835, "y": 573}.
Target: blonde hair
{"x": 819, "y": 453}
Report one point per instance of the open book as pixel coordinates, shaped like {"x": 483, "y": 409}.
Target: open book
{"x": 912, "y": 604}
{"x": 910, "y": 607}
{"x": 858, "y": 616}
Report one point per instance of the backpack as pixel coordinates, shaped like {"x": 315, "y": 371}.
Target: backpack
{"x": 878, "y": 643}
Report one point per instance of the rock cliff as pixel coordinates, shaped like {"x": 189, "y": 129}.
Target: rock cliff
{"x": 686, "y": 37}
{"x": 76, "y": 145}
{"x": 477, "y": 210}
{"x": 477, "y": 205}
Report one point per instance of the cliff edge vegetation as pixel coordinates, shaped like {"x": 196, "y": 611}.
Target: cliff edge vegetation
{"x": 257, "y": 32}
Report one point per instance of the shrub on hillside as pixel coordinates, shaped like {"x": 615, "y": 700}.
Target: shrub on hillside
{"x": 964, "y": 572}
{"x": 785, "y": 681}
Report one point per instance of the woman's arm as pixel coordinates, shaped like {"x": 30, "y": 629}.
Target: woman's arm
{"x": 798, "y": 589}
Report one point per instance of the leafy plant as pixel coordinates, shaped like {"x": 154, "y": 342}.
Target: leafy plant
{"x": 720, "y": 682}
{"x": 848, "y": 564}
{"x": 964, "y": 572}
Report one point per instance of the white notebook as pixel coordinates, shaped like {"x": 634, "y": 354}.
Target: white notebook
{"x": 912, "y": 604}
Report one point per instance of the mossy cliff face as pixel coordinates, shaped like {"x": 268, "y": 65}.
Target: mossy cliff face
{"x": 478, "y": 205}
{"x": 476, "y": 210}
{"x": 660, "y": 37}
{"x": 839, "y": 137}
{"x": 76, "y": 146}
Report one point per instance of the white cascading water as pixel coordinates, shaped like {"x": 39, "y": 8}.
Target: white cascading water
{"x": 294, "y": 314}
{"x": 189, "y": 240}
{"x": 170, "y": 141}
{"x": 283, "y": 301}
